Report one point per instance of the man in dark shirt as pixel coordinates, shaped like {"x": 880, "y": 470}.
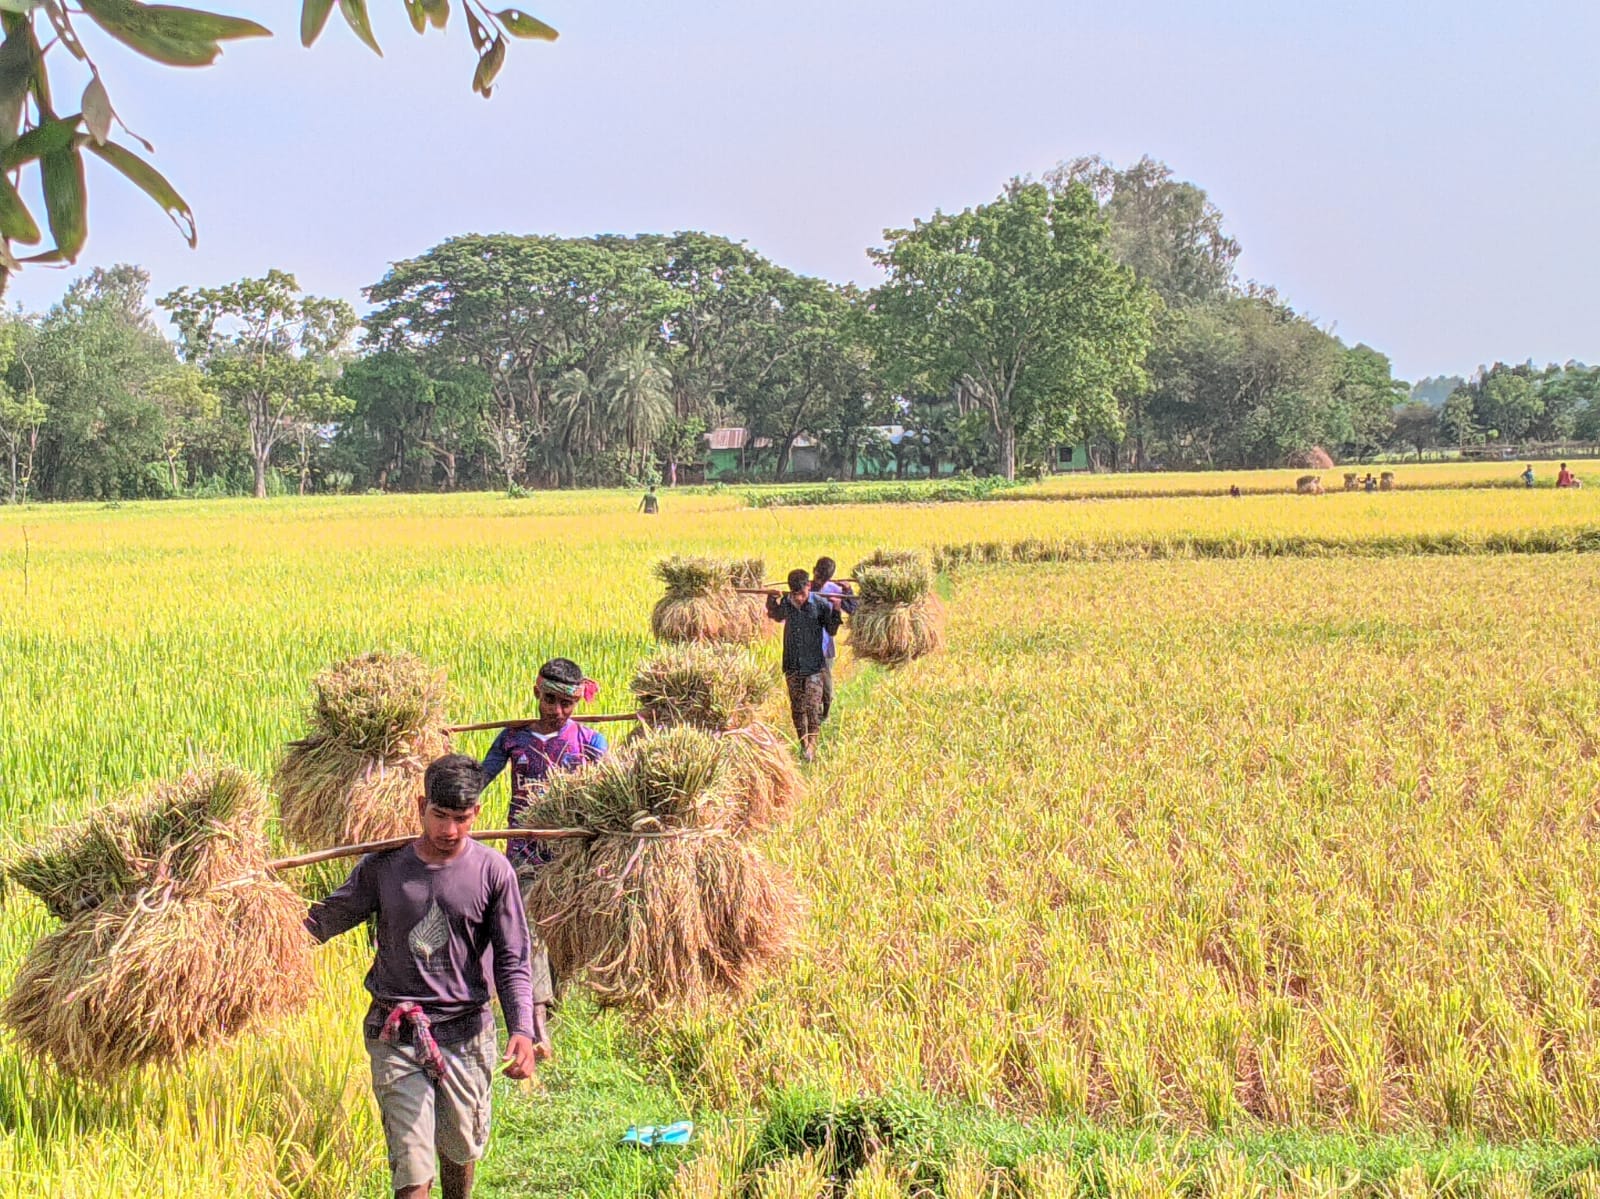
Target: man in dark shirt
{"x": 806, "y": 619}
{"x": 449, "y": 913}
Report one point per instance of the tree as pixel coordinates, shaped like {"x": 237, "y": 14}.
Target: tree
{"x": 1415, "y": 427}
{"x": 1019, "y": 305}
{"x": 1168, "y": 231}
{"x": 1244, "y": 382}
{"x": 1457, "y": 420}
{"x": 263, "y": 347}
{"x": 96, "y": 364}
{"x": 1366, "y": 393}
{"x": 523, "y": 311}
{"x": 33, "y": 137}
{"x": 638, "y": 400}
{"x": 189, "y": 411}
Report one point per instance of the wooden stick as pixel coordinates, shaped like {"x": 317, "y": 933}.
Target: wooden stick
{"x": 490, "y": 834}
{"x": 527, "y": 720}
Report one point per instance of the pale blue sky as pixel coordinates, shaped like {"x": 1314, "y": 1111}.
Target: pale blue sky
{"x": 1424, "y": 174}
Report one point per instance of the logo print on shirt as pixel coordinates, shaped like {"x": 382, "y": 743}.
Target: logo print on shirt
{"x": 428, "y": 939}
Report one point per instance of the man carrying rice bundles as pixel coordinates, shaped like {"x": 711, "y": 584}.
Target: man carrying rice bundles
{"x": 446, "y": 907}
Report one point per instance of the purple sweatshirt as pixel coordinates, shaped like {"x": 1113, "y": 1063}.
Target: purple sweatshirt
{"x": 441, "y": 928}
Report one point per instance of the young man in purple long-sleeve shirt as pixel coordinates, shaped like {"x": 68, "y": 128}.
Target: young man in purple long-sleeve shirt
{"x": 449, "y": 917}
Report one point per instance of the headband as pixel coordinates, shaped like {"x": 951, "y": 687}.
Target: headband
{"x": 585, "y": 690}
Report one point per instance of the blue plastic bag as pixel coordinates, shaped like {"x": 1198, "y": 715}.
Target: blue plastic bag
{"x": 651, "y": 1136}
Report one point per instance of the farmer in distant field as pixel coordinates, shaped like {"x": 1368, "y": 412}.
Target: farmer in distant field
{"x": 1527, "y": 476}
{"x": 447, "y": 910}
{"x": 650, "y": 506}
{"x": 806, "y": 619}
{"x": 1566, "y": 477}
{"x": 822, "y": 584}
{"x": 552, "y": 743}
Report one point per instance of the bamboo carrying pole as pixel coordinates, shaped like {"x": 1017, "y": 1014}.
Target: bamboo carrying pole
{"x": 489, "y": 834}
{"x": 526, "y": 720}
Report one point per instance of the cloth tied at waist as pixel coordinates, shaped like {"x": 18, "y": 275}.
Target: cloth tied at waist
{"x": 432, "y": 1058}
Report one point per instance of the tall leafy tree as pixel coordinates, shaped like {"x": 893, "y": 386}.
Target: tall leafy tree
{"x": 96, "y": 365}
{"x": 1167, "y": 230}
{"x": 1018, "y": 304}
{"x": 265, "y": 347}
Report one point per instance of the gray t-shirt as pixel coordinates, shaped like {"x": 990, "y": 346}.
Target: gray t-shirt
{"x": 442, "y": 929}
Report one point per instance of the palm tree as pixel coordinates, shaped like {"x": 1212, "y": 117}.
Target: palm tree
{"x": 576, "y": 401}
{"x": 639, "y": 406}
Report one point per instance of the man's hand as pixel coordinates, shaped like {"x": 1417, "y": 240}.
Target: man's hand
{"x": 522, "y": 1057}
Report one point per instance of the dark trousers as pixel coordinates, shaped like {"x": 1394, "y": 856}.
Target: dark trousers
{"x": 809, "y": 695}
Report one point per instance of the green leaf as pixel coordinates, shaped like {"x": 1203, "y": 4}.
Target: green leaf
{"x": 489, "y": 66}
{"x": 16, "y": 76}
{"x": 438, "y": 12}
{"x": 418, "y": 15}
{"x": 313, "y": 19}
{"x": 97, "y": 110}
{"x": 19, "y": 6}
{"x": 64, "y": 206}
{"x": 355, "y": 16}
{"x": 153, "y": 183}
{"x": 179, "y": 37}
{"x": 520, "y": 24}
{"x": 16, "y": 222}
{"x": 51, "y": 137}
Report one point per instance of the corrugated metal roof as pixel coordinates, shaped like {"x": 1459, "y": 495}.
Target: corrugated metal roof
{"x": 727, "y": 438}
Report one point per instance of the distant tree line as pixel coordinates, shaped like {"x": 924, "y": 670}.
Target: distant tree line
{"x": 1097, "y": 307}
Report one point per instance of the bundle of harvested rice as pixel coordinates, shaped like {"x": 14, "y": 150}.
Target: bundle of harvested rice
{"x": 183, "y": 939}
{"x": 750, "y": 574}
{"x": 193, "y": 829}
{"x": 899, "y": 618}
{"x": 721, "y": 689}
{"x": 700, "y": 603}
{"x": 376, "y": 723}
{"x": 712, "y": 687}
{"x": 662, "y": 907}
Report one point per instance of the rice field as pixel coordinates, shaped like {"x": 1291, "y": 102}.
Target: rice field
{"x": 1204, "y": 850}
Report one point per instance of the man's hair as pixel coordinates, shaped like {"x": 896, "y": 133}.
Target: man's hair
{"x": 562, "y": 670}
{"x": 798, "y": 580}
{"x": 453, "y": 782}
{"x": 824, "y": 569}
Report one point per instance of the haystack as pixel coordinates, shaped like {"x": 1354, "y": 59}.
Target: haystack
{"x": 177, "y": 938}
{"x": 700, "y": 603}
{"x": 720, "y": 689}
{"x": 898, "y": 618}
{"x": 663, "y": 907}
{"x": 1308, "y": 485}
{"x": 376, "y": 723}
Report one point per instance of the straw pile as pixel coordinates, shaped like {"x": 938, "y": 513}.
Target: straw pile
{"x": 664, "y": 907}
{"x": 700, "y": 603}
{"x": 175, "y": 936}
{"x": 899, "y": 618}
{"x": 720, "y": 689}
{"x": 376, "y": 723}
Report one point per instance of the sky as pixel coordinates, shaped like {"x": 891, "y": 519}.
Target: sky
{"x": 1419, "y": 175}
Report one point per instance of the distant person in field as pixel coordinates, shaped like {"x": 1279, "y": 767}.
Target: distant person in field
{"x": 554, "y": 742}
{"x": 1566, "y": 477}
{"x": 822, "y": 583}
{"x": 449, "y": 916}
{"x": 1234, "y": 491}
{"x": 806, "y": 620}
{"x": 650, "y": 505}
{"x": 1527, "y": 476}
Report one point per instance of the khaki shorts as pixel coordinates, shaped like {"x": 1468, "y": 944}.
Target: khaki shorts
{"x": 423, "y": 1119}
